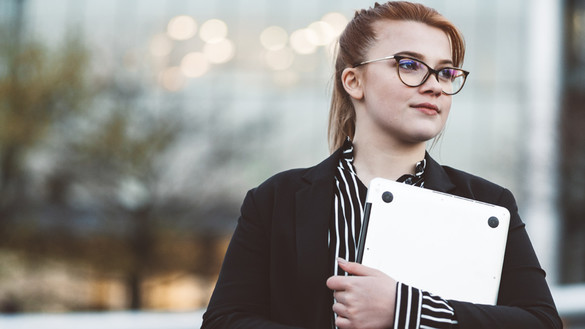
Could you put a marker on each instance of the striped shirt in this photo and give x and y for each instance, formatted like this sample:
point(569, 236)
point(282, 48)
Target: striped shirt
point(414, 308)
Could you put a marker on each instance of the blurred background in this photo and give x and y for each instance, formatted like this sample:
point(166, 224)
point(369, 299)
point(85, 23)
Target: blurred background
point(131, 130)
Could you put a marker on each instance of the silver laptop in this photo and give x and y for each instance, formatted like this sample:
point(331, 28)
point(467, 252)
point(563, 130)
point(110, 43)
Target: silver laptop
point(449, 246)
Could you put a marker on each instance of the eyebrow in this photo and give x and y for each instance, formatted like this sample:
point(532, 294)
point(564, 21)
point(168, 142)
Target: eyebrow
point(422, 57)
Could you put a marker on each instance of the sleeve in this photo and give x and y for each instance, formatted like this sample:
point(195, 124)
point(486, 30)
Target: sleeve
point(416, 309)
point(241, 295)
point(524, 300)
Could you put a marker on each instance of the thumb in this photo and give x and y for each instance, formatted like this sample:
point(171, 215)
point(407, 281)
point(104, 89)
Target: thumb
point(356, 268)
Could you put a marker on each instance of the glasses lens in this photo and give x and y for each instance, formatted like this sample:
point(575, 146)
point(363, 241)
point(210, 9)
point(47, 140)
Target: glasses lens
point(411, 72)
point(451, 79)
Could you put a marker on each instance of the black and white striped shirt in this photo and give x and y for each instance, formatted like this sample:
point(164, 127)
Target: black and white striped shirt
point(414, 308)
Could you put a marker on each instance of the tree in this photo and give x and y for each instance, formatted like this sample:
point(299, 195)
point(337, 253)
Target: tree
point(40, 90)
point(105, 198)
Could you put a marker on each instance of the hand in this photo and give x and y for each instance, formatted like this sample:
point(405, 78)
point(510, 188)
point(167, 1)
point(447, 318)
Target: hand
point(365, 300)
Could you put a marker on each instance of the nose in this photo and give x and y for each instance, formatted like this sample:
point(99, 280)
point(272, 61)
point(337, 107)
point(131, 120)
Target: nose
point(431, 84)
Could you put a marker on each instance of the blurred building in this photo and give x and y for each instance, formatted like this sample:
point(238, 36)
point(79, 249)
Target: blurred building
point(229, 63)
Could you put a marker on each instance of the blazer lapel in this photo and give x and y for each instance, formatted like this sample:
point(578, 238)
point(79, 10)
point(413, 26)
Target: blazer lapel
point(436, 178)
point(313, 211)
point(314, 208)
point(314, 204)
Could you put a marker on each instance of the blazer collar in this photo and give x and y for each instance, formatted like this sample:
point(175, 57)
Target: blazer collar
point(436, 178)
point(313, 211)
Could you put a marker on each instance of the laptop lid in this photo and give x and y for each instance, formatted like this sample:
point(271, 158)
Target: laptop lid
point(447, 245)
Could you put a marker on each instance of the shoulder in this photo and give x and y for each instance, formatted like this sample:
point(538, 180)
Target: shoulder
point(294, 179)
point(285, 180)
point(454, 181)
point(478, 188)
point(470, 182)
point(273, 198)
point(279, 197)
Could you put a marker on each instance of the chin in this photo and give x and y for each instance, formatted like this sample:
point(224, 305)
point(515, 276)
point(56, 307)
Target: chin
point(424, 134)
point(424, 137)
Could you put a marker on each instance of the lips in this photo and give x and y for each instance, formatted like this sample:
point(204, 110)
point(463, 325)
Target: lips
point(427, 107)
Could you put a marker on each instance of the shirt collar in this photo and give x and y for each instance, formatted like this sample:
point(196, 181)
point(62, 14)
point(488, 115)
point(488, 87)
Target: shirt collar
point(416, 179)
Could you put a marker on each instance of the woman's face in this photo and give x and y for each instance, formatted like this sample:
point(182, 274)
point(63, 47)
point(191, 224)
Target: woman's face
point(389, 108)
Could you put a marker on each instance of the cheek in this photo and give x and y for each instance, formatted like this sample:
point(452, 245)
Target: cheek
point(390, 93)
point(382, 81)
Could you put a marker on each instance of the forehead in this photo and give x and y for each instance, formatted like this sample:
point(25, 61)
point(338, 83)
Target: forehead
point(399, 36)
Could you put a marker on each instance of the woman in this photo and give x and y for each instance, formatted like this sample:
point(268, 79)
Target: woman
point(397, 69)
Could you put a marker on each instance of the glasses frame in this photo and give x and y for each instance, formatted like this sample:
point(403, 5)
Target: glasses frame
point(430, 71)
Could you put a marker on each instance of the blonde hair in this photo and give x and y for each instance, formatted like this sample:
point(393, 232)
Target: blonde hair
point(356, 40)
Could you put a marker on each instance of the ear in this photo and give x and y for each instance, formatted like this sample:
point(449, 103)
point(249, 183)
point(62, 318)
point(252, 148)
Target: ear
point(352, 83)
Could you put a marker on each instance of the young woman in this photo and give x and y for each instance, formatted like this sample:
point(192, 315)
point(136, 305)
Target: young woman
point(397, 69)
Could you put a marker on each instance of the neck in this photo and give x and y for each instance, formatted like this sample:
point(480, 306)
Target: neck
point(386, 159)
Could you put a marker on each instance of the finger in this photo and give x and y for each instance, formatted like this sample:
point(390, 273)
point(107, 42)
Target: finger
point(340, 309)
point(342, 322)
point(356, 268)
point(337, 283)
point(341, 282)
point(340, 297)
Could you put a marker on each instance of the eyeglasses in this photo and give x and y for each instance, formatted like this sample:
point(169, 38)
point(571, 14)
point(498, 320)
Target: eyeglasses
point(413, 73)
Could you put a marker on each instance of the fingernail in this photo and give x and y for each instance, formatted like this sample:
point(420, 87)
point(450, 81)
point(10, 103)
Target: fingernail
point(341, 261)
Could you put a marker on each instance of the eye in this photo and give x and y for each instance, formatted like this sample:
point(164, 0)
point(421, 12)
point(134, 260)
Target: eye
point(448, 74)
point(409, 65)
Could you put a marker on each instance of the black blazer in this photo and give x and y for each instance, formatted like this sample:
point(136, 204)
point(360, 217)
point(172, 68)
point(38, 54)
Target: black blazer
point(275, 269)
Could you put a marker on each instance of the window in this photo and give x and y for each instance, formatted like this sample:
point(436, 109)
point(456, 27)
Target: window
point(572, 146)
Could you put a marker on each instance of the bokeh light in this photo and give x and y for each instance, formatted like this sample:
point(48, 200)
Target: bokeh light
point(322, 33)
point(304, 41)
point(273, 38)
point(331, 50)
point(213, 31)
point(194, 64)
point(336, 20)
point(182, 27)
point(220, 52)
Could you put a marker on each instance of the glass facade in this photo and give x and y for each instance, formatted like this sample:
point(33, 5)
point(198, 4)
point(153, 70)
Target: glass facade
point(572, 145)
point(250, 81)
